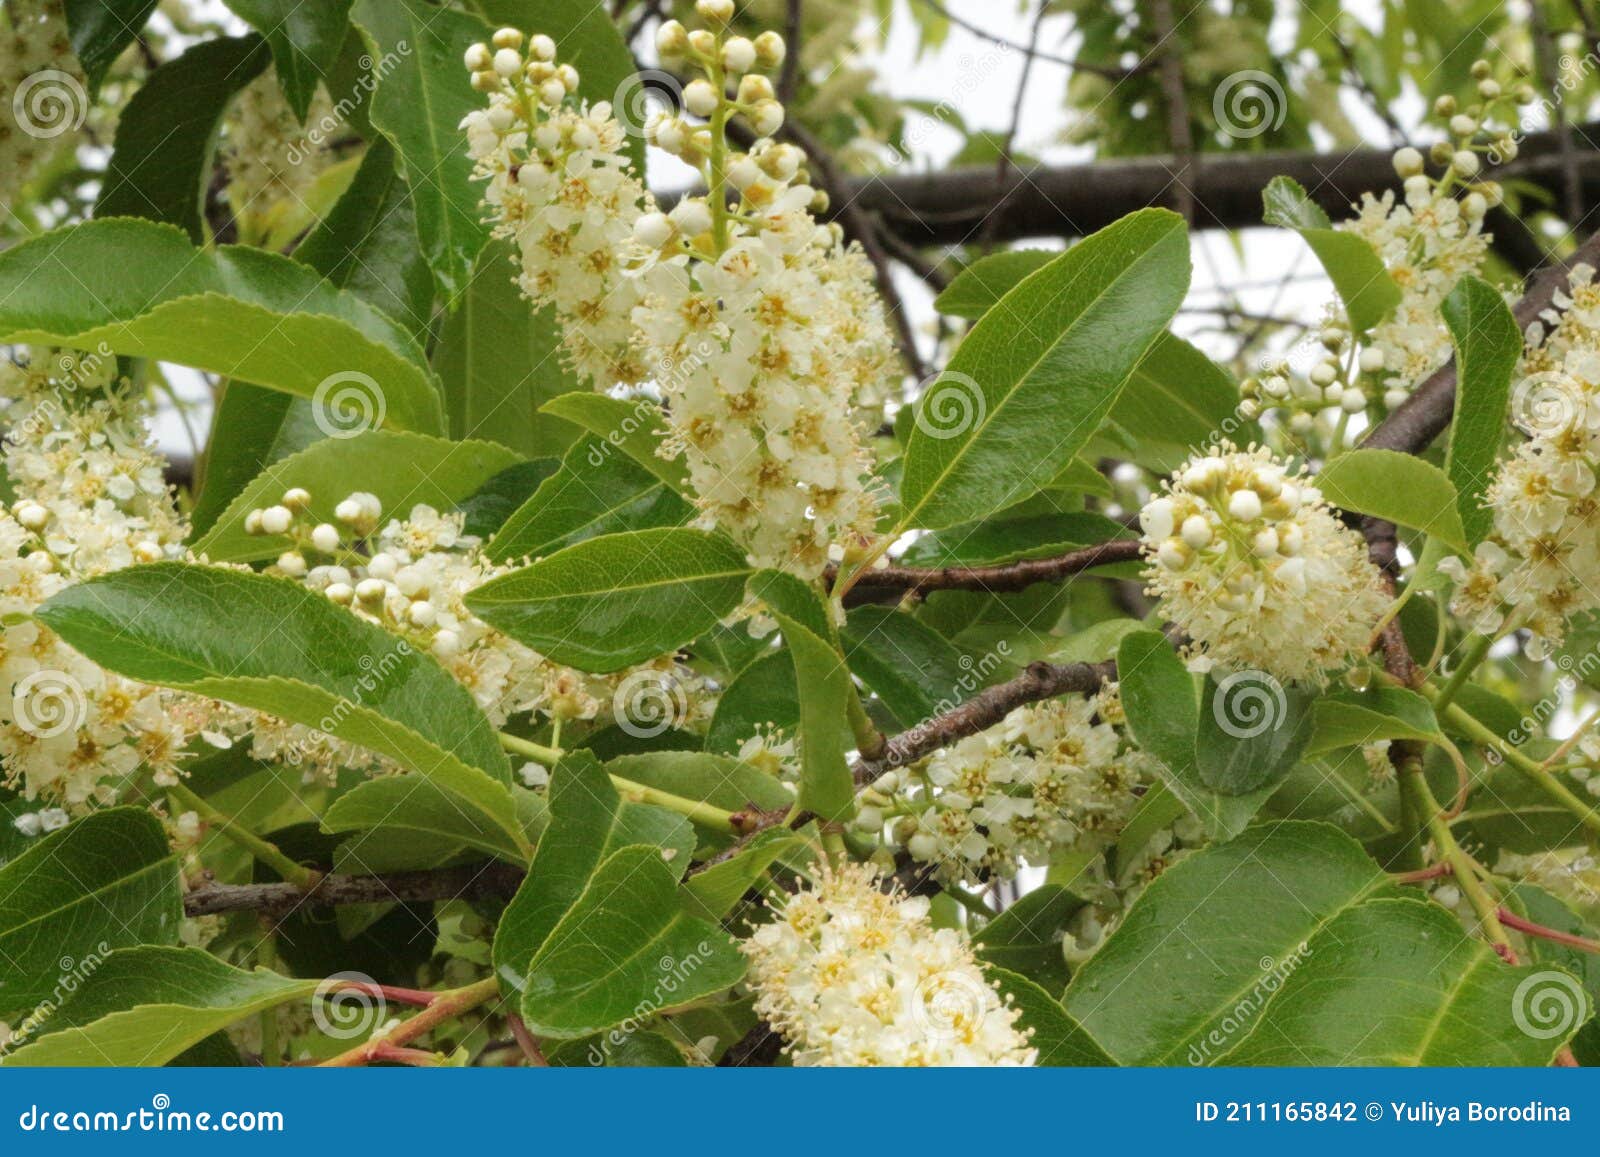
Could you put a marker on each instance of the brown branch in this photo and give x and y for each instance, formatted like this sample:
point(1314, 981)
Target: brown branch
point(999, 578)
point(1511, 920)
point(468, 881)
point(789, 75)
point(984, 710)
point(950, 206)
point(1170, 73)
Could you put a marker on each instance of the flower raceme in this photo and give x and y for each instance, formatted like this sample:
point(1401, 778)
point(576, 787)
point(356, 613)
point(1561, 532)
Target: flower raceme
point(757, 323)
point(854, 976)
point(1250, 562)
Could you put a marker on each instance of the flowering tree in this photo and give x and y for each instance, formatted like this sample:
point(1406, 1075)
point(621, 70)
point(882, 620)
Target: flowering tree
point(591, 633)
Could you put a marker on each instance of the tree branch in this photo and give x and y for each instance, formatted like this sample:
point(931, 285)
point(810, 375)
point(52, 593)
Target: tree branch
point(1000, 578)
point(466, 882)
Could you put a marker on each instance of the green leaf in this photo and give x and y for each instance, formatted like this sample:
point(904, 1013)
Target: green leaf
point(1399, 487)
point(177, 303)
point(167, 132)
point(401, 469)
point(626, 948)
point(1060, 1039)
point(588, 821)
point(823, 682)
point(998, 540)
point(143, 1006)
point(593, 494)
point(1488, 343)
point(976, 289)
point(636, 428)
point(916, 671)
point(251, 428)
point(719, 780)
point(1178, 401)
point(278, 647)
point(1253, 729)
point(1345, 718)
point(1033, 380)
point(107, 881)
point(500, 361)
point(587, 38)
point(1357, 272)
point(1212, 935)
point(421, 97)
point(305, 40)
point(367, 244)
point(1398, 982)
point(762, 696)
point(405, 808)
point(1026, 937)
point(1158, 695)
point(101, 29)
point(607, 603)
point(488, 507)
point(714, 892)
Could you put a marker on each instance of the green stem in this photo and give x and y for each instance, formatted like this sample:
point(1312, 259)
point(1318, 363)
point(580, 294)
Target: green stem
point(705, 814)
point(266, 852)
point(717, 179)
point(1465, 870)
point(1477, 652)
point(869, 740)
point(1540, 775)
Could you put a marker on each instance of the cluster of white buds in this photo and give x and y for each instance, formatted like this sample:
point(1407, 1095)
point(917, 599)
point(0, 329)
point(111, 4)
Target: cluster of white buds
point(1328, 386)
point(853, 976)
point(1255, 568)
point(757, 322)
point(412, 576)
point(1051, 778)
point(559, 186)
point(1434, 234)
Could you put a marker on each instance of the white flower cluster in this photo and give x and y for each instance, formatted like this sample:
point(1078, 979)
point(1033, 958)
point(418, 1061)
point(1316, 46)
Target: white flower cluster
point(1434, 236)
point(412, 576)
point(853, 976)
point(759, 324)
point(90, 498)
point(268, 156)
point(43, 94)
point(1255, 568)
point(1051, 777)
point(1542, 563)
point(1570, 874)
